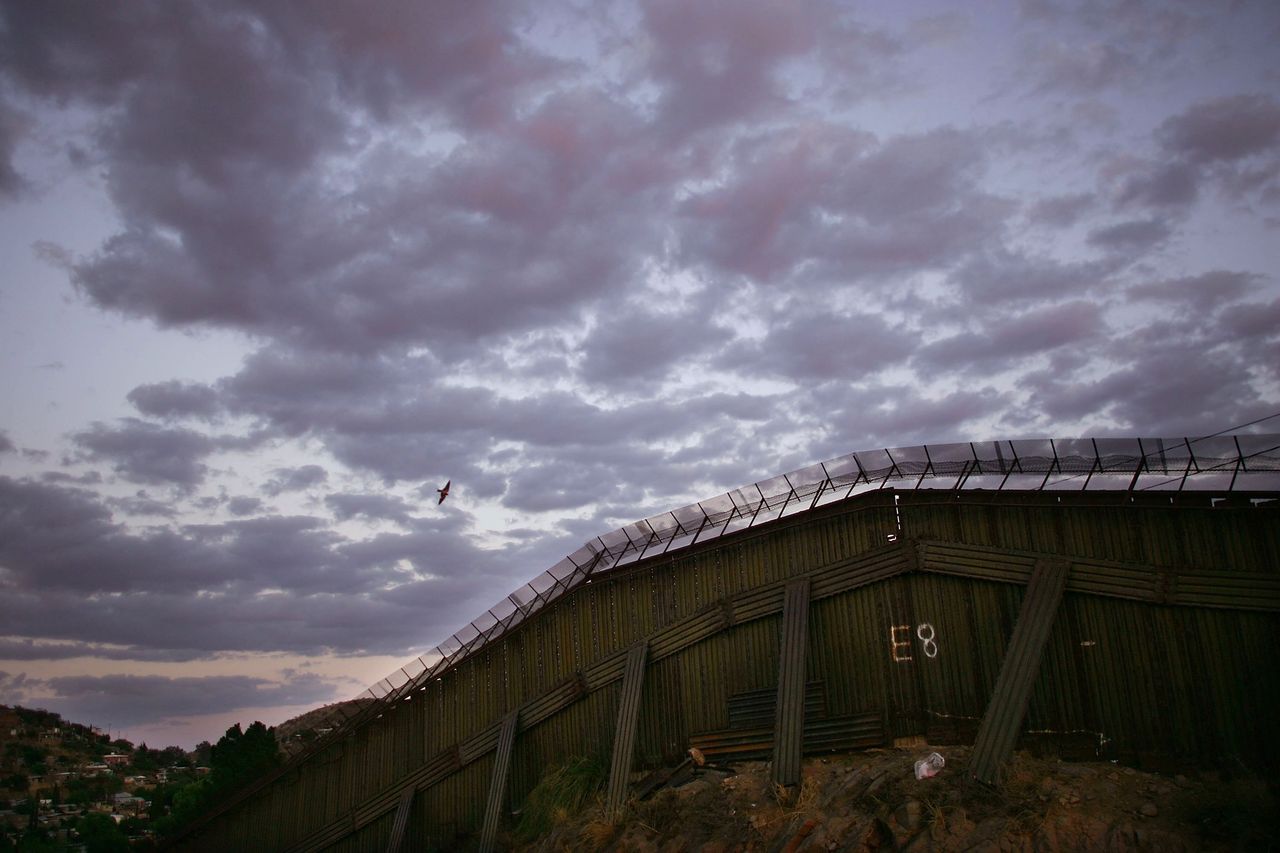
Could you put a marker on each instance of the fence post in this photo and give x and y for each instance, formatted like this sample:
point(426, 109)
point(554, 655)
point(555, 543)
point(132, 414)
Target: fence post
point(498, 784)
point(402, 820)
point(624, 739)
point(788, 731)
point(999, 728)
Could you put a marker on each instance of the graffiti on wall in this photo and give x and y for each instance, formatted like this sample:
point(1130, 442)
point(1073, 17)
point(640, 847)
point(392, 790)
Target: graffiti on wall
point(900, 649)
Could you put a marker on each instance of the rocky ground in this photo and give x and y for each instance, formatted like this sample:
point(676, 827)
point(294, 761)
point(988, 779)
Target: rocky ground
point(872, 801)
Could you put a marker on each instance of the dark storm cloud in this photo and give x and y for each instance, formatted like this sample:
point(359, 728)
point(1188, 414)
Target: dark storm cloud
point(88, 478)
point(387, 417)
point(15, 688)
point(549, 486)
point(886, 418)
point(815, 346)
point(1232, 143)
point(1002, 343)
point(175, 399)
point(1130, 239)
point(295, 479)
point(1061, 211)
point(6, 443)
point(1167, 185)
point(1205, 293)
point(637, 344)
point(1258, 320)
point(1174, 376)
point(721, 62)
point(70, 573)
point(825, 202)
point(1001, 276)
point(218, 112)
point(143, 504)
point(1086, 48)
point(1224, 129)
point(241, 505)
point(1081, 68)
point(132, 700)
point(147, 453)
point(25, 649)
point(11, 183)
point(58, 538)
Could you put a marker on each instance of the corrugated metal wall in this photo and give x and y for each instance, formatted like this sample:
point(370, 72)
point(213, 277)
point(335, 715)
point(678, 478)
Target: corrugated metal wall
point(1141, 680)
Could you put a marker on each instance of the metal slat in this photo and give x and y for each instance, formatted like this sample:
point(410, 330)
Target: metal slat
point(625, 732)
point(857, 731)
point(755, 708)
point(402, 820)
point(999, 728)
point(498, 783)
point(789, 725)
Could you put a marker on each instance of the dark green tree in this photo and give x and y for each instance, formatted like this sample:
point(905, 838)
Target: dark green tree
point(237, 759)
point(240, 756)
point(144, 758)
point(101, 835)
point(203, 754)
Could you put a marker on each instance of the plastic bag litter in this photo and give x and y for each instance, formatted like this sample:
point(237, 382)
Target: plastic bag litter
point(929, 765)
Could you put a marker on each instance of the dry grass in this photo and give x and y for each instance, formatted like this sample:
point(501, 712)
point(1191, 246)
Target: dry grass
point(559, 797)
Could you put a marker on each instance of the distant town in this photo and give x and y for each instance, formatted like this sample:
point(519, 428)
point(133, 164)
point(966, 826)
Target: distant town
point(65, 786)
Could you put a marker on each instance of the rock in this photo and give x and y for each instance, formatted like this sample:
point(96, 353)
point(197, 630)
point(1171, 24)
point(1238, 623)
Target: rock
point(1148, 809)
point(909, 815)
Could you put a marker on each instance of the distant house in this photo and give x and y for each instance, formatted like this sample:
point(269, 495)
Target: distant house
point(116, 758)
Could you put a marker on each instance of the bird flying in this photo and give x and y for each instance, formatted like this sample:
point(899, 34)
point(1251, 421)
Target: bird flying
point(444, 493)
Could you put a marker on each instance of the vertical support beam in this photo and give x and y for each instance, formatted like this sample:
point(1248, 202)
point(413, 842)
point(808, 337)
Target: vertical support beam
point(1000, 725)
point(788, 727)
point(402, 820)
point(498, 784)
point(624, 739)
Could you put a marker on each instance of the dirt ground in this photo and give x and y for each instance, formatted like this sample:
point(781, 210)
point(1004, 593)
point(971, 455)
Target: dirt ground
point(872, 801)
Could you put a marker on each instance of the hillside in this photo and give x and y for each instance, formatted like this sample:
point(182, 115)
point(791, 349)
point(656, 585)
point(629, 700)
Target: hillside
point(315, 723)
point(872, 801)
point(61, 780)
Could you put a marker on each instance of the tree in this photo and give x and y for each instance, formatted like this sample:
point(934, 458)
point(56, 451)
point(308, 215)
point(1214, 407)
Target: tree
point(144, 758)
point(33, 757)
point(101, 835)
point(203, 754)
point(240, 756)
point(172, 756)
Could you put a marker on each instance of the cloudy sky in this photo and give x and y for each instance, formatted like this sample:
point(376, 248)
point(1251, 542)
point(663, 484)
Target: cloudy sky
point(274, 271)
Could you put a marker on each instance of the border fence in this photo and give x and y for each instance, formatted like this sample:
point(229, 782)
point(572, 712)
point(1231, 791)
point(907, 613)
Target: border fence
point(892, 507)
